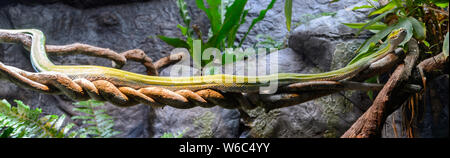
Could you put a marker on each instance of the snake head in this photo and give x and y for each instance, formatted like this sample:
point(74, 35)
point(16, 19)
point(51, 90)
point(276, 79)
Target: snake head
point(397, 36)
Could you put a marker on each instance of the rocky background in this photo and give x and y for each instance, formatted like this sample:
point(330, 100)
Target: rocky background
point(318, 42)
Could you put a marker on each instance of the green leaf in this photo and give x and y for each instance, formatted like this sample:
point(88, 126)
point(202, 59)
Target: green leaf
point(445, 46)
point(82, 117)
point(27, 122)
point(83, 103)
point(21, 131)
point(405, 23)
point(232, 17)
point(5, 106)
point(49, 120)
point(370, 95)
point(67, 128)
point(426, 43)
point(58, 124)
point(7, 132)
point(167, 135)
point(376, 19)
point(22, 109)
point(213, 13)
point(375, 26)
point(201, 5)
point(184, 12)
point(333, 1)
point(391, 5)
point(362, 7)
point(383, 33)
point(374, 39)
point(442, 4)
point(83, 110)
point(184, 30)
point(95, 103)
point(371, 80)
point(400, 5)
point(420, 30)
point(232, 36)
point(261, 16)
point(288, 13)
point(175, 42)
point(96, 124)
point(372, 48)
point(215, 10)
point(363, 51)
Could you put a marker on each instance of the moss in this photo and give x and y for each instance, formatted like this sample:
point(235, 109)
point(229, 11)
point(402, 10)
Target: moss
point(205, 122)
point(330, 134)
point(332, 107)
point(264, 123)
point(335, 104)
point(343, 54)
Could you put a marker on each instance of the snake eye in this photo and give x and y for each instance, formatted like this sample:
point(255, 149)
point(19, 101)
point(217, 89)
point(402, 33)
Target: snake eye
point(395, 37)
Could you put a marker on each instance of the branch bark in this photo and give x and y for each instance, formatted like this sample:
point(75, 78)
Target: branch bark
point(119, 60)
point(388, 100)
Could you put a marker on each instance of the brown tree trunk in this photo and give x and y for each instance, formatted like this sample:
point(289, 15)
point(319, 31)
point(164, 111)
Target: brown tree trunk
point(387, 101)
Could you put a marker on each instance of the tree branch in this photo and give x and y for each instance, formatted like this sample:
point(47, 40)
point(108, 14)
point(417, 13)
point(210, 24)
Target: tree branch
point(388, 100)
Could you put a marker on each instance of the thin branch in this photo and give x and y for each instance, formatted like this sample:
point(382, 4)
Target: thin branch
point(119, 60)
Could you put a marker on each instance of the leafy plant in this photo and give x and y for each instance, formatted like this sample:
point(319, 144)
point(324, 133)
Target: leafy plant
point(261, 16)
point(225, 16)
point(23, 122)
point(172, 135)
point(96, 123)
point(370, 92)
point(424, 20)
point(409, 14)
point(288, 13)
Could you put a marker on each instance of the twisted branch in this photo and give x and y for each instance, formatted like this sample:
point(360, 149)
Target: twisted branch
point(104, 90)
point(119, 59)
point(391, 96)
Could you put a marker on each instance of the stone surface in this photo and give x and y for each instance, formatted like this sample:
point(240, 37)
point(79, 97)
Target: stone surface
point(274, 24)
point(197, 122)
point(315, 38)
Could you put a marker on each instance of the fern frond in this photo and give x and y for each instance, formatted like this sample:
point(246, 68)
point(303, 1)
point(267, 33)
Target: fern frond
point(97, 123)
point(22, 121)
point(172, 135)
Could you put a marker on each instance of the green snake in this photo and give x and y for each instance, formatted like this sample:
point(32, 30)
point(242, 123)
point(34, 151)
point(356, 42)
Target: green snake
point(121, 78)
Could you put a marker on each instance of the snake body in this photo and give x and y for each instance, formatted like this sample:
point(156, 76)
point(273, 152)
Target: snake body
point(121, 78)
